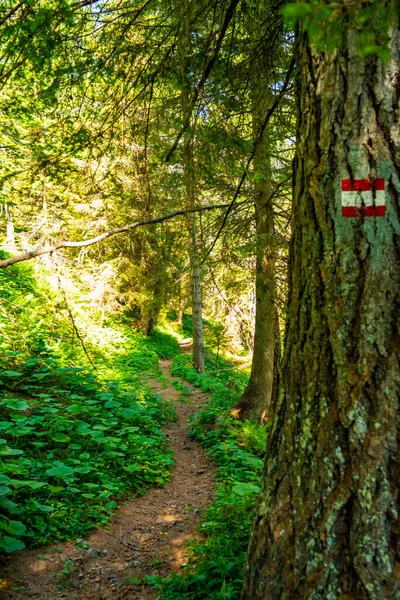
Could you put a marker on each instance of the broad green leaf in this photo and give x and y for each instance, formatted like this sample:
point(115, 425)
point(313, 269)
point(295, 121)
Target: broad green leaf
point(83, 470)
point(60, 471)
point(15, 528)
point(32, 361)
point(9, 544)
point(21, 431)
point(243, 489)
point(112, 404)
point(31, 484)
point(6, 425)
point(17, 404)
point(75, 409)
point(132, 468)
point(105, 396)
point(18, 417)
point(12, 507)
point(44, 507)
point(61, 437)
point(10, 451)
point(4, 490)
point(56, 488)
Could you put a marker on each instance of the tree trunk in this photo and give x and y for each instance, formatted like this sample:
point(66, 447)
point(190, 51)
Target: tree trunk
point(152, 311)
point(156, 272)
point(184, 295)
point(256, 399)
point(327, 524)
point(10, 233)
point(198, 339)
point(255, 403)
point(190, 191)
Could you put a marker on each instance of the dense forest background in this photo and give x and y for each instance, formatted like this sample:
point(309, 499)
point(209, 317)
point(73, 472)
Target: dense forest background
point(174, 170)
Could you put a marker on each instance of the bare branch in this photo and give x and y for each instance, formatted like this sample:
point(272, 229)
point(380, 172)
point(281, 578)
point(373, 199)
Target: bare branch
point(103, 236)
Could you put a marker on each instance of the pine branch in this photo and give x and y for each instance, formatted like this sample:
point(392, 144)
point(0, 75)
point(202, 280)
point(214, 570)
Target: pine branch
point(200, 86)
point(258, 140)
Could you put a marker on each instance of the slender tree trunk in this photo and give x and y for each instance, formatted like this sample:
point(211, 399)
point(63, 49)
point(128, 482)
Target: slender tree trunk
point(184, 294)
point(10, 233)
point(198, 339)
point(152, 310)
point(190, 190)
point(327, 525)
point(158, 275)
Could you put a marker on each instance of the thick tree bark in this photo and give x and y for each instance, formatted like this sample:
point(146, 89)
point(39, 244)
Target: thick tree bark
point(327, 524)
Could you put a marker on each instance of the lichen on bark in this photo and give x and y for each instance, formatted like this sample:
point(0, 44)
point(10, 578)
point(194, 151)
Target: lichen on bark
point(327, 524)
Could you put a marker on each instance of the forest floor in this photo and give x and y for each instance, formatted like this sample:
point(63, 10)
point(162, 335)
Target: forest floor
point(146, 535)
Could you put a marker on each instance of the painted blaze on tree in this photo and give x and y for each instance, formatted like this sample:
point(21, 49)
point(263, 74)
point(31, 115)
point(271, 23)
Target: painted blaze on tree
point(328, 523)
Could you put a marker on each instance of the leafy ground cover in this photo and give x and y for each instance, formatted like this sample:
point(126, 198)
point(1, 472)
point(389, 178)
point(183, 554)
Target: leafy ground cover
point(215, 569)
point(72, 441)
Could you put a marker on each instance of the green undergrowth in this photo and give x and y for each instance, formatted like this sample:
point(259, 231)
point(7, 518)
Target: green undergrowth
point(215, 569)
point(72, 440)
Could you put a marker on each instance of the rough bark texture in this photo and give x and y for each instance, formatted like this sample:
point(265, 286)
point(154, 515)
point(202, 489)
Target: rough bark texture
point(197, 312)
point(327, 525)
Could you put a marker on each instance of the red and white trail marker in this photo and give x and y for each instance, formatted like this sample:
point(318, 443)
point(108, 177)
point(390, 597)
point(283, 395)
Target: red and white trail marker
point(363, 196)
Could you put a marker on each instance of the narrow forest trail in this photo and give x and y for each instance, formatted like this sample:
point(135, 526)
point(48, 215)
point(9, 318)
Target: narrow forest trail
point(146, 535)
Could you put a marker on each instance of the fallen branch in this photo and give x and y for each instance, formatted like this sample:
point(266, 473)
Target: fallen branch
point(47, 249)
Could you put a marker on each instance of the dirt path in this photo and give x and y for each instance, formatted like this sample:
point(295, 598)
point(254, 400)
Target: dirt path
point(146, 536)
